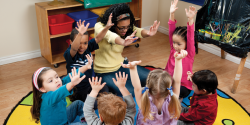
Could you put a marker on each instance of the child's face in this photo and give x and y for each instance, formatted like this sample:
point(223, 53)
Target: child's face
point(83, 44)
point(51, 81)
point(122, 27)
point(178, 43)
point(197, 91)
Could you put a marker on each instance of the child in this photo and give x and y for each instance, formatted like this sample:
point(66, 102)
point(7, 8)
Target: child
point(203, 103)
point(182, 38)
point(49, 92)
point(158, 102)
point(112, 109)
point(75, 55)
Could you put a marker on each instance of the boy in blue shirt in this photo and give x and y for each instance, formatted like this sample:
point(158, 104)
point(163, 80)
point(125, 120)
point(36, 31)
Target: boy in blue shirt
point(75, 55)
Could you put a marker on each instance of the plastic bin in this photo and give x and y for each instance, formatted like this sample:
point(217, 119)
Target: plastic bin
point(86, 15)
point(60, 23)
point(99, 11)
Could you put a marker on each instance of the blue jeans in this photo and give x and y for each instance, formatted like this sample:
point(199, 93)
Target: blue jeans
point(107, 77)
point(73, 110)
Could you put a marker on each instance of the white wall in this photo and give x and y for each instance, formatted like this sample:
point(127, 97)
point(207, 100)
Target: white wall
point(149, 12)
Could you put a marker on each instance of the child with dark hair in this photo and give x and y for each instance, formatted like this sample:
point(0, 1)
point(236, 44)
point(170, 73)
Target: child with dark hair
point(112, 109)
point(204, 104)
point(49, 93)
point(108, 57)
point(182, 38)
point(75, 55)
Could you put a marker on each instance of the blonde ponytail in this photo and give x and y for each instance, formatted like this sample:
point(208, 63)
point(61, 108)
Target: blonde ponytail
point(174, 107)
point(145, 107)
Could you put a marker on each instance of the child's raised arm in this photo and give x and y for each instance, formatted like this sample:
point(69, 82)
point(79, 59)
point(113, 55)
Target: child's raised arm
point(75, 79)
point(178, 71)
point(173, 8)
point(121, 82)
point(75, 45)
point(88, 65)
point(190, 15)
point(135, 80)
point(96, 86)
point(101, 34)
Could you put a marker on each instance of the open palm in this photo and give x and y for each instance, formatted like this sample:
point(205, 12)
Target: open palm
point(173, 7)
point(81, 28)
point(191, 12)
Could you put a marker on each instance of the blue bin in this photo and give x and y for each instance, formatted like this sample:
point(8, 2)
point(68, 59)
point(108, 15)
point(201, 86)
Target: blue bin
point(86, 15)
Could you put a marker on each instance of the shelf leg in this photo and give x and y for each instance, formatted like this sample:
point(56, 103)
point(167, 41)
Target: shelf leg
point(222, 54)
point(238, 74)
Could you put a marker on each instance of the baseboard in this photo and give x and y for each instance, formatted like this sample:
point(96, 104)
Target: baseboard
point(212, 49)
point(20, 57)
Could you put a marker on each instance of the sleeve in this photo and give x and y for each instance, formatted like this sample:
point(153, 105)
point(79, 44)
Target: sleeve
point(66, 79)
point(92, 45)
point(190, 40)
point(196, 113)
point(138, 31)
point(89, 112)
point(172, 27)
point(53, 97)
point(68, 57)
point(131, 111)
point(110, 36)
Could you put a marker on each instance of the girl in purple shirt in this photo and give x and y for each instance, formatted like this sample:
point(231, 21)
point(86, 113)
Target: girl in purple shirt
point(182, 38)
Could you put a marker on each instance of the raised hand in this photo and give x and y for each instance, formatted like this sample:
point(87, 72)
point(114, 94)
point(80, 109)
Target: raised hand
point(189, 76)
point(130, 39)
point(75, 77)
point(173, 7)
point(121, 80)
point(81, 28)
point(183, 54)
point(90, 61)
point(96, 85)
point(109, 23)
point(153, 29)
point(191, 12)
point(131, 65)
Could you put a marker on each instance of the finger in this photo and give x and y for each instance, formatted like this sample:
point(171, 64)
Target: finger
point(70, 76)
point(186, 10)
point(72, 72)
point(158, 25)
point(171, 2)
point(126, 77)
point(120, 75)
point(78, 73)
point(100, 80)
point(134, 32)
point(83, 22)
point(77, 25)
point(116, 75)
point(87, 25)
point(75, 71)
point(103, 84)
point(90, 81)
point(83, 77)
point(114, 80)
point(93, 79)
point(96, 79)
point(123, 75)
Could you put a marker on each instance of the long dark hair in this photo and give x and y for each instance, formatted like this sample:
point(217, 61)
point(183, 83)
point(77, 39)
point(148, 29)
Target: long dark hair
point(117, 10)
point(37, 100)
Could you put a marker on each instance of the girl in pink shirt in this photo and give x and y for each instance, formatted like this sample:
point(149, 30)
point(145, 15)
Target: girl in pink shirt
point(182, 38)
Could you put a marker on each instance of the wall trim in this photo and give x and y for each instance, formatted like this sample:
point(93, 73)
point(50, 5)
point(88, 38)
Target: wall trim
point(212, 49)
point(20, 57)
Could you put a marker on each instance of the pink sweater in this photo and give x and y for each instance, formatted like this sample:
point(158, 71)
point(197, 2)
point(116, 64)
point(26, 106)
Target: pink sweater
point(187, 62)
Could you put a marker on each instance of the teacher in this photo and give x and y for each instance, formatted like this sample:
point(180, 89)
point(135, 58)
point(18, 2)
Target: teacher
point(108, 57)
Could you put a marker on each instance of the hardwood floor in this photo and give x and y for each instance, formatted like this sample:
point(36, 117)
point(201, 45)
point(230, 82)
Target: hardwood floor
point(15, 78)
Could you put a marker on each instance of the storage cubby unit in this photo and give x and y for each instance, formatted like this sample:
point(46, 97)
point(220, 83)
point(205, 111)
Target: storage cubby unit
point(53, 46)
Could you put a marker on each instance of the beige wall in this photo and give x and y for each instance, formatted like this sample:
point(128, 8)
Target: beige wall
point(180, 14)
point(149, 12)
point(18, 31)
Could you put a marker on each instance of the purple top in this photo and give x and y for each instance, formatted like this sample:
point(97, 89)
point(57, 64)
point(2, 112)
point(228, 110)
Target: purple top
point(159, 119)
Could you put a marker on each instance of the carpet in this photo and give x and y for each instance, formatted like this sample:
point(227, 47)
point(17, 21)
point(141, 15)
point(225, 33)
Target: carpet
point(230, 112)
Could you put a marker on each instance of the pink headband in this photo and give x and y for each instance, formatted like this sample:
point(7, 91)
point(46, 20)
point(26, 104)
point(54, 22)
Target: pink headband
point(35, 76)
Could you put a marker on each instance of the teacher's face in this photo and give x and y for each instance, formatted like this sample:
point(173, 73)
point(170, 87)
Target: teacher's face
point(122, 27)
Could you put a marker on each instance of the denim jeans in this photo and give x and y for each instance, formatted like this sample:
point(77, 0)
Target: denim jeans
point(107, 77)
point(73, 110)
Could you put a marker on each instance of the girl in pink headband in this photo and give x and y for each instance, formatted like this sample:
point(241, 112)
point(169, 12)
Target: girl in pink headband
point(49, 92)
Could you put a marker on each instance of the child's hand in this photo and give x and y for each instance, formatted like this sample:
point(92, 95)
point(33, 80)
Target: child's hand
point(81, 28)
point(109, 23)
point(182, 54)
point(189, 76)
point(173, 7)
point(153, 29)
point(90, 61)
point(96, 85)
point(121, 80)
point(131, 65)
point(130, 39)
point(75, 77)
point(191, 12)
